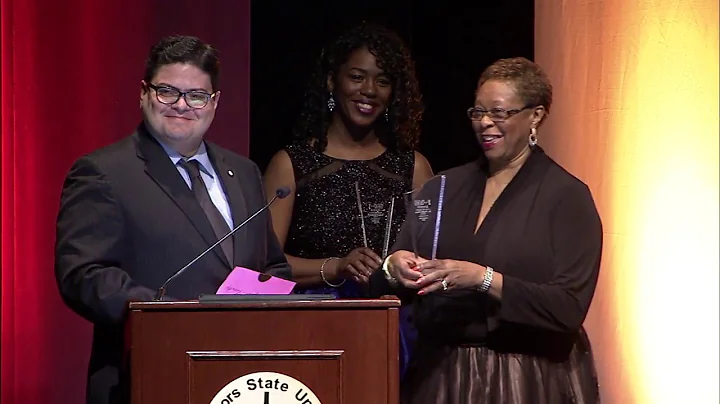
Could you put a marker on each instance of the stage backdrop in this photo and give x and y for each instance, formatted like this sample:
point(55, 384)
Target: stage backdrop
point(636, 117)
point(71, 72)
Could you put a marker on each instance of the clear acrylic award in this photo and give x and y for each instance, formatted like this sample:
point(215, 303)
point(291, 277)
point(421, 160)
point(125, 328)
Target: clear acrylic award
point(424, 207)
point(379, 214)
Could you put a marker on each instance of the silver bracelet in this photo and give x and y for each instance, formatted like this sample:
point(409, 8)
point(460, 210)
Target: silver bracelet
point(322, 273)
point(487, 280)
point(386, 269)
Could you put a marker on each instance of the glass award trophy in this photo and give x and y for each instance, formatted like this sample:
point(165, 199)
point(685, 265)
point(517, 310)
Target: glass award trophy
point(378, 214)
point(388, 229)
point(424, 207)
point(362, 214)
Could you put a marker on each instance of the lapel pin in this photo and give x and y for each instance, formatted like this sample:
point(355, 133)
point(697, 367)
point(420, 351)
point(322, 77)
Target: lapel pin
point(230, 173)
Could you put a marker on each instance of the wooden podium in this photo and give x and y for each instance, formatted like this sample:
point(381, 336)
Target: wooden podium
point(343, 351)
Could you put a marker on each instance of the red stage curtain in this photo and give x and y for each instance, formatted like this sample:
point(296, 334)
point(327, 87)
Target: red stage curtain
point(70, 84)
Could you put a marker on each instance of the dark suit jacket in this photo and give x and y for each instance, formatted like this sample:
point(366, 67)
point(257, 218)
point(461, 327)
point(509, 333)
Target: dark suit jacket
point(128, 221)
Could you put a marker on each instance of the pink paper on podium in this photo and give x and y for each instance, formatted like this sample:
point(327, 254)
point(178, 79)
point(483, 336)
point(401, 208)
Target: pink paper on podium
point(243, 281)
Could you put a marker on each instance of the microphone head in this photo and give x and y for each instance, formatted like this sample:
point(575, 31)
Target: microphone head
point(282, 192)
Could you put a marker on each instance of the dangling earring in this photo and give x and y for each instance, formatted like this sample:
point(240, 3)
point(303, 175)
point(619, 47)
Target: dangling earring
point(331, 103)
point(387, 117)
point(532, 140)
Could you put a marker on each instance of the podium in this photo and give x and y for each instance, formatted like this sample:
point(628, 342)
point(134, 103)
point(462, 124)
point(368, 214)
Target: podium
point(274, 352)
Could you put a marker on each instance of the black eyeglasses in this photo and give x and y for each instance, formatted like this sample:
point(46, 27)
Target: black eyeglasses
point(495, 114)
point(170, 95)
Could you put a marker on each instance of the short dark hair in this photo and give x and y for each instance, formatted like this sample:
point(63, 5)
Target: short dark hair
point(530, 81)
point(184, 49)
point(405, 111)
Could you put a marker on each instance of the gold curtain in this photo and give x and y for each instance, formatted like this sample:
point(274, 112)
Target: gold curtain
point(636, 118)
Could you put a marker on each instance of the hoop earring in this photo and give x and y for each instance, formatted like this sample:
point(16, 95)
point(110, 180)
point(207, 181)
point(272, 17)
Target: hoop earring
point(331, 103)
point(533, 139)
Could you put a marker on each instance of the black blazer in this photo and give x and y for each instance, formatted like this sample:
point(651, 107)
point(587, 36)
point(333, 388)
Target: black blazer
point(128, 221)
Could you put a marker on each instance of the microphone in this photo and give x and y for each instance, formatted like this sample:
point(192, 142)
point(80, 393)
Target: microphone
point(280, 193)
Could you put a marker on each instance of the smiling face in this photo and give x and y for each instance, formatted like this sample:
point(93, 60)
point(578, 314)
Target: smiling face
point(362, 91)
point(504, 140)
point(178, 125)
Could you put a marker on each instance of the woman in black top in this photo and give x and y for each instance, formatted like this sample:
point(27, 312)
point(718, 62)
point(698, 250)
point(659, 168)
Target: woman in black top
point(354, 152)
point(499, 312)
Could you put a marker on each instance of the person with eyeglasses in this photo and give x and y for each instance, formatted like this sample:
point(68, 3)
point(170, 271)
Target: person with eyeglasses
point(499, 312)
point(135, 212)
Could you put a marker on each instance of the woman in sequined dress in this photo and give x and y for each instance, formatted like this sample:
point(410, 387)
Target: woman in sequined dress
point(355, 140)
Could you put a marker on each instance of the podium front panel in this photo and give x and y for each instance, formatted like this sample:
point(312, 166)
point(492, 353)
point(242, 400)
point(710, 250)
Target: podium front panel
point(345, 354)
point(321, 372)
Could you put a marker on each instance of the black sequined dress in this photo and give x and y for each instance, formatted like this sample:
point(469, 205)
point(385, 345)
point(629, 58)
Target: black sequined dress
point(326, 218)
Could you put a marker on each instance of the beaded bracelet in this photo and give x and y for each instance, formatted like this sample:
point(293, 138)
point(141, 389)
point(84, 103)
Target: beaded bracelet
point(322, 273)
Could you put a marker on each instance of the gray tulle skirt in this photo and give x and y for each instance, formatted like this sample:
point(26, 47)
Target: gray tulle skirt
point(479, 375)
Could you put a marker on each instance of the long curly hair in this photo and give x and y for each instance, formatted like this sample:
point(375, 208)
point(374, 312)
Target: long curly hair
point(402, 129)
